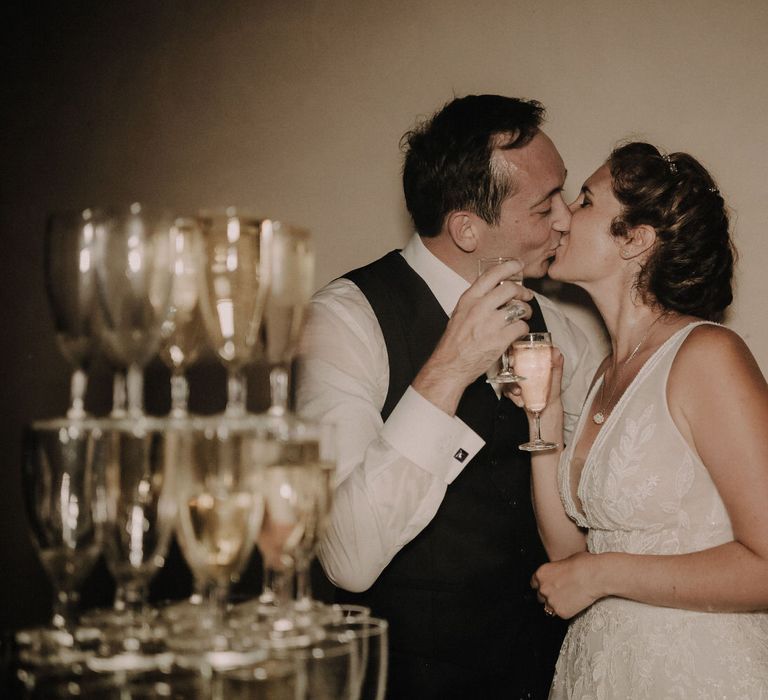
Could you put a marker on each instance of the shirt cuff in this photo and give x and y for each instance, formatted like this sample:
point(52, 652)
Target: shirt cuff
point(434, 441)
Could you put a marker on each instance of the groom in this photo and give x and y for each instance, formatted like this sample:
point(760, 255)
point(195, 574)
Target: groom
point(432, 524)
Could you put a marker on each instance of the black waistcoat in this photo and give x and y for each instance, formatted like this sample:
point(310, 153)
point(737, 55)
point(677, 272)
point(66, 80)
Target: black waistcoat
point(464, 621)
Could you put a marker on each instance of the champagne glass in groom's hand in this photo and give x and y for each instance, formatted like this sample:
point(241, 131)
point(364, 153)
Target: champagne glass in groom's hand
point(514, 310)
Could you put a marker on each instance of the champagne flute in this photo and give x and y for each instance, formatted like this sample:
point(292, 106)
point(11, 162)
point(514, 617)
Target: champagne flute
point(325, 670)
point(234, 292)
point(533, 356)
point(183, 334)
point(141, 510)
point(306, 549)
point(63, 462)
point(220, 511)
point(292, 282)
point(514, 310)
point(296, 486)
point(291, 286)
point(135, 277)
point(70, 281)
point(369, 636)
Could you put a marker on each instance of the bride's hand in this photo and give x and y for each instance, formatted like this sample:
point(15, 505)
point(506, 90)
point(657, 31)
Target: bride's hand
point(513, 392)
point(566, 587)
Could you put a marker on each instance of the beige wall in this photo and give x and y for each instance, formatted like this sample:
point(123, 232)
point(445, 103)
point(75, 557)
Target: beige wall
point(296, 107)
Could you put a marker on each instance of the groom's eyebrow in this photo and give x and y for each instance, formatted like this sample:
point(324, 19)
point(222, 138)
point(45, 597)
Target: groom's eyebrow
point(549, 194)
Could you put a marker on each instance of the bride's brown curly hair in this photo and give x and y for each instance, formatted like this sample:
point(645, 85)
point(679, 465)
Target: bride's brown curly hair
point(690, 269)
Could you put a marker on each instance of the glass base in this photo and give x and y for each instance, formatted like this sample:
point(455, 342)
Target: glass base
point(51, 646)
point(173, 611)
point(210, 636)
point(337, 613)
point(505, 378)
point(258, 611)
point(538, 446)
point(128, 661)
point(104, 618)
point(80, 681)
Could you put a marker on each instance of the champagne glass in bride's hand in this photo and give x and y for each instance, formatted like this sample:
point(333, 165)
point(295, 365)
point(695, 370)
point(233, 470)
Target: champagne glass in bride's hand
point(135, 277)
point(70, 282)
point(514, 310)
point(234, 292)
point(533, 357)
point(291, 285)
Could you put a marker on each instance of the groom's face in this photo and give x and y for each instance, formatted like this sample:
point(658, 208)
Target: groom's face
point(534, 216)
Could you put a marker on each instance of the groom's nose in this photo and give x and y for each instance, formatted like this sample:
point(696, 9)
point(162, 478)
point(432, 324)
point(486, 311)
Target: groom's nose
point(561, 219)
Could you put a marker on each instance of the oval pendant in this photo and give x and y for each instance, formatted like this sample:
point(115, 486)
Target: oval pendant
point(599, 418)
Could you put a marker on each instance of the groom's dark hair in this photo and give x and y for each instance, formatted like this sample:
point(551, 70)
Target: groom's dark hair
point(449, 163)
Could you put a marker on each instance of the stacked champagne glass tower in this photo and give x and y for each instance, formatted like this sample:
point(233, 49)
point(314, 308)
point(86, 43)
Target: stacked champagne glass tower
point(132, 284)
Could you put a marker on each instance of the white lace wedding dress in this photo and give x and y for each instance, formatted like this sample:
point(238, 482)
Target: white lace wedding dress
point(644, 491)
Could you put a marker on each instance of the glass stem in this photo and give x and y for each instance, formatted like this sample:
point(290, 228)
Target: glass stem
point(118, 394)
point(64, 606)
point(281, 586)
point(78, 385)
point(505, 362)
point(119, 604)
point(303, 586)
point(130, 596)
point(537, 423)
point(198, 593)
point(236, 392)
point(214, 608)
point(133, 600)
point(179, 394)
point(267, 595)
point(135, 386)
point(279, 385)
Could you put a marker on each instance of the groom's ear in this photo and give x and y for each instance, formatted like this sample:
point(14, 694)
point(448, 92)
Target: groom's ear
point(638, 241)
point(463, 229)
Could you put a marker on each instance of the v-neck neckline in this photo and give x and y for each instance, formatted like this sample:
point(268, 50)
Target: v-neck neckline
point(586, 415)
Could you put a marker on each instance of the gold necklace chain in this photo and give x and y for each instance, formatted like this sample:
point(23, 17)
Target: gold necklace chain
point(599, 417)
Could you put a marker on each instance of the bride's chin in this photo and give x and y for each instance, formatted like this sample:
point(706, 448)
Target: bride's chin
point(554, 267)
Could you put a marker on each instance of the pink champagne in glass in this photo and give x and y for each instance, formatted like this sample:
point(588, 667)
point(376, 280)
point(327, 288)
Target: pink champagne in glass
point(533, 360)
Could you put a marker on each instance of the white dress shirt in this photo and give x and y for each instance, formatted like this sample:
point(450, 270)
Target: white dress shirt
point(392, 476)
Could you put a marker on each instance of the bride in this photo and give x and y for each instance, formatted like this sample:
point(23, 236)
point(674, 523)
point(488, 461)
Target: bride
point(655, 517)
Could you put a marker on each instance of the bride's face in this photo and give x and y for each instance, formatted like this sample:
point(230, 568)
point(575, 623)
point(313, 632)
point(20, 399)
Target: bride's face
point(588, 251)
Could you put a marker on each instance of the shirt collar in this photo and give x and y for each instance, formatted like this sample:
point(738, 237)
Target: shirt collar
point(443, 282)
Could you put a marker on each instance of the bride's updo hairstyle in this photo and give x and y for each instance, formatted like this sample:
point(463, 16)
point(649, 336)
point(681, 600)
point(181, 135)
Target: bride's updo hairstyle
point(690, 267)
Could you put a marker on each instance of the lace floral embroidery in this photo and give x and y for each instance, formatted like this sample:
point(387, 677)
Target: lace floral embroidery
point(644, 491)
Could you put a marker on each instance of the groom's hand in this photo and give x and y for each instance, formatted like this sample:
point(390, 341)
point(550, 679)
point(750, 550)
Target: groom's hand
point(476, 335)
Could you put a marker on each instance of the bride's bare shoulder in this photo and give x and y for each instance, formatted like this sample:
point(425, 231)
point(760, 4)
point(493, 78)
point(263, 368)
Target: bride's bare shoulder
point(709, 338)
point(714, 353)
